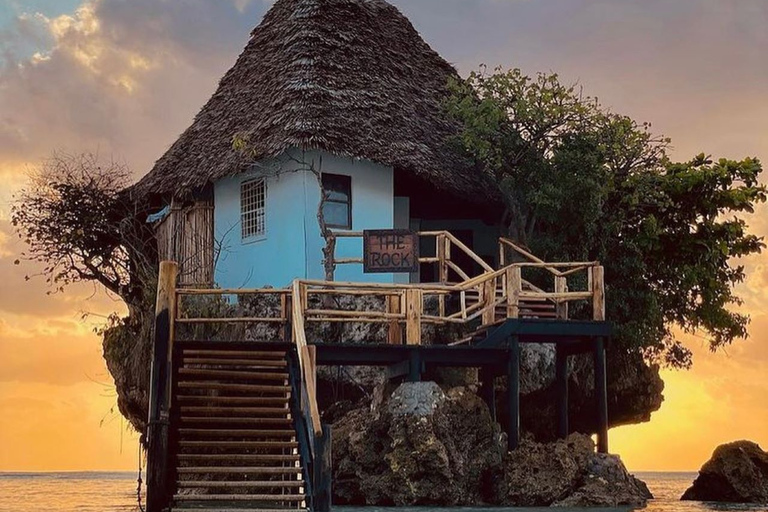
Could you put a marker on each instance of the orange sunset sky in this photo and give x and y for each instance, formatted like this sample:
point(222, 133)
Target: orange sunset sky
point(125, 78)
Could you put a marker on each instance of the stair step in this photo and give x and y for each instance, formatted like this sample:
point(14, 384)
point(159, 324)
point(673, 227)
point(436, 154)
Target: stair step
point(236, 432)
point(233, 387)
point(222, 484)
point(235, 420)
point(237, 509)
point(240, 497)
point(251, 400)
point(239, 444)
point(276, 363)
point(261, 457)
point(243, 354)
point(250, 470)
point(276, 411)
point(229, 374)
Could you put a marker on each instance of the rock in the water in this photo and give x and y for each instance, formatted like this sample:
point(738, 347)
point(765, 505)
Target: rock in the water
point(737, 472)
point(607, 484)
point(421, 446)
point(567, 473)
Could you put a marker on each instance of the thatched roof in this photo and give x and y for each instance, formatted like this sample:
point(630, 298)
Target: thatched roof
point(352, 77)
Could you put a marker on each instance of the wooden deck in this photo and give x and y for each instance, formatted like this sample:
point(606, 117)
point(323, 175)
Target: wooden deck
point(501, 308)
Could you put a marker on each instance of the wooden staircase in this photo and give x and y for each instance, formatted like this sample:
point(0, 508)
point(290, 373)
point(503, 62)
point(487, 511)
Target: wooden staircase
point(234, 444)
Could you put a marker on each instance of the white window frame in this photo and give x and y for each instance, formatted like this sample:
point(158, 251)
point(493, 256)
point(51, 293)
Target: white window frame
point(249, 225)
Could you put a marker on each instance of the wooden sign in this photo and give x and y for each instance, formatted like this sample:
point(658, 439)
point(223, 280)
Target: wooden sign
point(390, 250)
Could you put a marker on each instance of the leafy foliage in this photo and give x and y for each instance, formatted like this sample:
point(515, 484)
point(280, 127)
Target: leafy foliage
point(582, 183)
point(79, 223)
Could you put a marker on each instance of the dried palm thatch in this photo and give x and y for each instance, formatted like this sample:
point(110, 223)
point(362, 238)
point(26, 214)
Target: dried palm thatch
point(351, 77)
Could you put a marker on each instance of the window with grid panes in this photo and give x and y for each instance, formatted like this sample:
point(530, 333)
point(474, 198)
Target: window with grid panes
point(337, 209)
point(253, 205)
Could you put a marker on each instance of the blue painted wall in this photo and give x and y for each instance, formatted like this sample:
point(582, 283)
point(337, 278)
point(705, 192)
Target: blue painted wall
point(292, 246)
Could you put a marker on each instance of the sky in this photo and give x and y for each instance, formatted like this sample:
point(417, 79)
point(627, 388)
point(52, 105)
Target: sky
point(124, 79)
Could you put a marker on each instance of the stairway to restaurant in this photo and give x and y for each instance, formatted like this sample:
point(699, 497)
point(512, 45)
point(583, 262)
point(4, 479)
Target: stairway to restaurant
point(234, 443)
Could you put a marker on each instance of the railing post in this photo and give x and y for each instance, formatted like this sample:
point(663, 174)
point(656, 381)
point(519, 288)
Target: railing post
point(395, 332)
point(158, 466)
point(561, 305)
point(443, 255)
point(598, 293)
point(514, 284)
point(414, 305)
point(285, 306)
point(489, 298)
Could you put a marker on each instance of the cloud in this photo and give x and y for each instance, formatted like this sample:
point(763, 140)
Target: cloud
point(119, 78)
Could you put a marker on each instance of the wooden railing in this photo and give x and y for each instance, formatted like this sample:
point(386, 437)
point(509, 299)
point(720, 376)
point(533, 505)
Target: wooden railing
point(560, 273)
point(403, 308)
point(446, 244)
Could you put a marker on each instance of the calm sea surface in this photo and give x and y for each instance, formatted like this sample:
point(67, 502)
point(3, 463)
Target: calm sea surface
point(116, 492)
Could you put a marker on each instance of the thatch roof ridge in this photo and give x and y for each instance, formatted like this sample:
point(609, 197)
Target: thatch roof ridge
point(351, 77)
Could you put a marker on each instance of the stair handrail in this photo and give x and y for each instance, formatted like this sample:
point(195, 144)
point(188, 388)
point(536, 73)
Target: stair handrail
point(306, 363)
point(538, 262)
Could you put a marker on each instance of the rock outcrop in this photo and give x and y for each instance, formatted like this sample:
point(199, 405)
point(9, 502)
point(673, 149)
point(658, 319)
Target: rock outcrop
point(421, 445)
point(737, 472)
point(634, 391)
point(567, 473)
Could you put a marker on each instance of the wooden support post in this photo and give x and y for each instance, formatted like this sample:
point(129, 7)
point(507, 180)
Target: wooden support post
point(442, 257)
point(322, 472)
point(514, 284)
point(561, 381)
point(598, 293)
point(489, 298)
point(561, 307)
point(601, 395)
point(395, 332)
point(414, 305)
point(415, 365)
point(488, 391)
point(287, 334)
point(159, 469)
point(513, 389)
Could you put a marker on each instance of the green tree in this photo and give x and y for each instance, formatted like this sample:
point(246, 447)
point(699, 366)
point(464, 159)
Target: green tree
point(579, 182)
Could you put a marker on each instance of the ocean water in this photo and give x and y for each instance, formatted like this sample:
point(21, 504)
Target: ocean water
point(116, 492)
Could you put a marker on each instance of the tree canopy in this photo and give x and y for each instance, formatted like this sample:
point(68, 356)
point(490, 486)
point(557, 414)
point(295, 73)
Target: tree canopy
point(80, 224)
point(582, 183)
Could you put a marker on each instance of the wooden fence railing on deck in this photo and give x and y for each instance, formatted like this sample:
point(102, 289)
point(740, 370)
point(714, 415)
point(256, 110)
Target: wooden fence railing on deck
point(445, 245)
point(403, 305)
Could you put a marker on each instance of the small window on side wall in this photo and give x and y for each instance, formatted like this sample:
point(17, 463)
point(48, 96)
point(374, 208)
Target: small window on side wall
point(253, 207)
point(337, 209)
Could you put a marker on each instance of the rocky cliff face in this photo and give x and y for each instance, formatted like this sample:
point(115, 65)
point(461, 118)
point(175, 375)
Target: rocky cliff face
point(634, 388)
point(737, 472)
point(421, 445)
point(634, 391)
point(127, 352)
